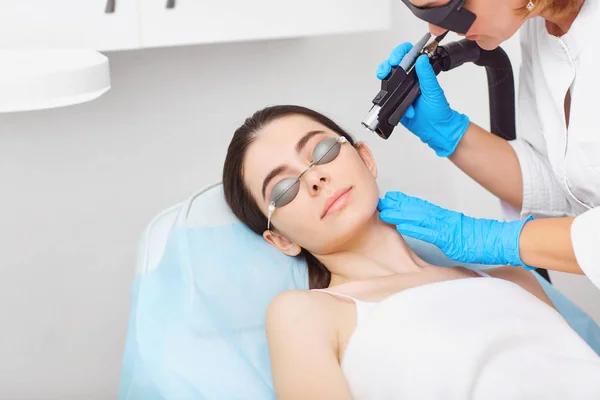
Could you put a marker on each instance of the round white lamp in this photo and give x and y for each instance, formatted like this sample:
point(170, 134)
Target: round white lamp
point(42, 79)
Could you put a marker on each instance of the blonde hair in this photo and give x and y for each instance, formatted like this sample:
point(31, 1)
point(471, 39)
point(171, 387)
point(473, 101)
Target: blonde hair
point(556, 8)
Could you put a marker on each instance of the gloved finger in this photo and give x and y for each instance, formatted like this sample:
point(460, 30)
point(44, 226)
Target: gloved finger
point(383, 70)
point(409, 206)
point(424, 234)
point(395, 217)
point(427, 78)
point(410, 201)
point(404, 121)
point(382, 206)
point(388, 203)
point(399, 52)
point(409, 113)
point(399, 198)
point(396, 196)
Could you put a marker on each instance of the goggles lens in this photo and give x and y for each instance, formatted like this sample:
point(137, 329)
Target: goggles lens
point(287, 189)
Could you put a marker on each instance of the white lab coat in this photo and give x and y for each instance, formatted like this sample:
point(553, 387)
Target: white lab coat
point(561, 168)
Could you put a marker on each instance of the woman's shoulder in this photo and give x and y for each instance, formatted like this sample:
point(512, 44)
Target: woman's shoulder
point(300, 318)
point(296, 307)
point(292, 300)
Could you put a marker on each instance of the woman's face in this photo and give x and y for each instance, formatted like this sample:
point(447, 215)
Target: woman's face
point(496, 20)
point(335, 200)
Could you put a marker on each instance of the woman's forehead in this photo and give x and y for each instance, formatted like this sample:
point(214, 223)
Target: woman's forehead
point(288, 129)
point(278, 142)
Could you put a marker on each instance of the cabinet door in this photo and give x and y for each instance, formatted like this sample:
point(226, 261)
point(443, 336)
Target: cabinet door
point(178, 22)
point(94, 24)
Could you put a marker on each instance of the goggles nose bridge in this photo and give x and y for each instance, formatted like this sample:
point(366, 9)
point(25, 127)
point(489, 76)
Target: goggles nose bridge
point(321, 155)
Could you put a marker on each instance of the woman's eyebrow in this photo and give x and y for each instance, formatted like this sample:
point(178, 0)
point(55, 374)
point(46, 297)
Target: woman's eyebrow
point(307, 136)
point(270, 177)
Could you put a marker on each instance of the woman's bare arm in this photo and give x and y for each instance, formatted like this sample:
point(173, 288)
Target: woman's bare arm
point(302, 346)
point(523, 278)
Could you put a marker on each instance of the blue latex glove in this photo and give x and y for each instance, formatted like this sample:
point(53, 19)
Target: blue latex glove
point(461, 238)
point(430, 116)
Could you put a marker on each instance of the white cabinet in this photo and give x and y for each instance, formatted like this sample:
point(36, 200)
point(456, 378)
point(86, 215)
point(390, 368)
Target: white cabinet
point(95, 24)
point(180, 22)
point(106, 25)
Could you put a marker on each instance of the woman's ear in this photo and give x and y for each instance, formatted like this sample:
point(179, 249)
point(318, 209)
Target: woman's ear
point(367, 157)
point(281, 243)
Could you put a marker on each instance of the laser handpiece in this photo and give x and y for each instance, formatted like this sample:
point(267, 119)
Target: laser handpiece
point(398, 90)
point(392, 82)
point(410, 58)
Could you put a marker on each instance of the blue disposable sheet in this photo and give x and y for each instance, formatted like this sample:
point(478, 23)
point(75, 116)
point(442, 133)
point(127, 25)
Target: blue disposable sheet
point(196, 328)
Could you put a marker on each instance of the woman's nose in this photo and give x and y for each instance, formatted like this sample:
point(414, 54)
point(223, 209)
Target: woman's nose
point(436, 30)
point(316, 180)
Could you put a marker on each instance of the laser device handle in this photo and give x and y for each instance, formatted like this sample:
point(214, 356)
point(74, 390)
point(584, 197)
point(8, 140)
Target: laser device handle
point(413, 92)
point(397, 115)
point(446, 57)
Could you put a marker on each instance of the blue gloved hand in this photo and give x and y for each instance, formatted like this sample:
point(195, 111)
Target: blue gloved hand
point(461, 238)
point(430, 116)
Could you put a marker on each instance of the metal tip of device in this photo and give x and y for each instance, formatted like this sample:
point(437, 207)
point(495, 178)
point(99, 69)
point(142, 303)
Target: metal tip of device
point(430, 49)
point(441, 37)
point(371, 122)
point(368, 129)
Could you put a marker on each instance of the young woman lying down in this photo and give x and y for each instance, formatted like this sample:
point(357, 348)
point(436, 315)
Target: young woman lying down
point(378, 321)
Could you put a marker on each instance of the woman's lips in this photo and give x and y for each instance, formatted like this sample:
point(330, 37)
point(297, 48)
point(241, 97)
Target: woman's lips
point(336, 201)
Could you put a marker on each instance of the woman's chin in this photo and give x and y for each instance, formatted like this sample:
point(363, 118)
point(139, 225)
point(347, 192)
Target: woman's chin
point(487, 43)
point(348, 227)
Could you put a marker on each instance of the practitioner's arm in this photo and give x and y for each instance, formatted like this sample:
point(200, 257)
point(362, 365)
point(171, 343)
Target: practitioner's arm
point(302, 346)
point(559, 244)
point(491, 162)
point(546, 243)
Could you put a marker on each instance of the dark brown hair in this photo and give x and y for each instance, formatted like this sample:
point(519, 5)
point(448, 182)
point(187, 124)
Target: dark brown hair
point(238, 196)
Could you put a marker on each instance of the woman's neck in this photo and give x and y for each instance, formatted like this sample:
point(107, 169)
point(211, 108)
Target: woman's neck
point(559, 26)
point(378, 250)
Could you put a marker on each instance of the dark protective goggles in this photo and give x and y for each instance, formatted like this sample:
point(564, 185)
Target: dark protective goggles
point(452, 16)
point(286, 189)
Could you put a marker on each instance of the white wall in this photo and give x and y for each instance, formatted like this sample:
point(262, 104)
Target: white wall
point(79, 184)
